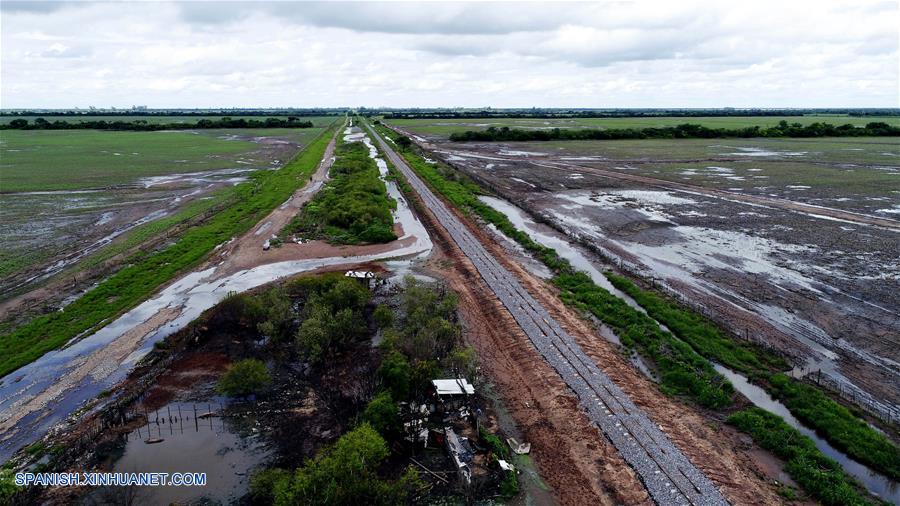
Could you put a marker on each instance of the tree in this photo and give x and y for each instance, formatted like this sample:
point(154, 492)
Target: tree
point(383, 316)
point(396, 374)
point(346, 474)
point(464, 362)
point(404, 142)
point(248, 376)
point(381, 414)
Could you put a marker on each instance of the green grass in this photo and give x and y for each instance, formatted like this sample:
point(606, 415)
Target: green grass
point(136, 282)
point(319, 121)
point(353, 207)
point(682, 371)
point(445, 127)
point(701, 334)
point(683, 362)
point(837, 424)
point(67, 160)
point(820, 476)
point(833, 422)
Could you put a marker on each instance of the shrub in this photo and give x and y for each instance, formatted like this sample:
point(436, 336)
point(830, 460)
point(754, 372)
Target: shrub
point(381, 413)
point(838, 425)
point(245, 377)
point(396, 374)
point(383, 316)
point(353, 207)
point(346, 473)
point(263, 484)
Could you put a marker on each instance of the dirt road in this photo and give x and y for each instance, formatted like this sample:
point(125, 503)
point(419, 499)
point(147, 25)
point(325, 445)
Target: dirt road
point(670, 478)
point(33, 398)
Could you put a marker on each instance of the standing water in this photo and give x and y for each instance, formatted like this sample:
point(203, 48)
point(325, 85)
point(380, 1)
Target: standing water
point(184, 438)
point(41, 394)
point(876, 483)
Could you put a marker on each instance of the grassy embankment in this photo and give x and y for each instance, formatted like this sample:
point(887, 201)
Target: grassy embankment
point(147, 271)
point(353, 207)
point(682, 369)
point(835, 423)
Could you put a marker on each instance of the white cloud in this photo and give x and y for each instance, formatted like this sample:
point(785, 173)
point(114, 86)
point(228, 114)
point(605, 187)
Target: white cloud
point(688, 53)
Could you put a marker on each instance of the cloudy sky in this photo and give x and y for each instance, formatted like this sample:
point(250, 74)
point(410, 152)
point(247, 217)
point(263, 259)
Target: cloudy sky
point(684, 53)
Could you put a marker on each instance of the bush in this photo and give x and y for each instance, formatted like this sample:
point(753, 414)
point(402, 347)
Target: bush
point(703, 336)
point(497, 447)
point(346, 473)
point(263, 484)
point(509, 487)
point(353, 207)
point(383, 316)
point(396, 374)
point(382, 414)
point(245, 377)
point(8, 488)
point(332, 318)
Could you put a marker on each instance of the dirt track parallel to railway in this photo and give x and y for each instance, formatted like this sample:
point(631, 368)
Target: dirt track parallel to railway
point(668, 475)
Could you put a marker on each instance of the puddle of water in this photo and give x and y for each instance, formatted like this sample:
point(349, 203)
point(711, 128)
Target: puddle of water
point(742, 151)
point(191, 444)
point(512, 152)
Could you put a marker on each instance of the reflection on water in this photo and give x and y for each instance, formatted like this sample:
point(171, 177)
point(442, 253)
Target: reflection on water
point(184, 438)
point(190, 295)
point(874, 482)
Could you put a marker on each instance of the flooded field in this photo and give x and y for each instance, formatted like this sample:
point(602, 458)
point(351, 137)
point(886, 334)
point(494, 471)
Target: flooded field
point(584, 261)
point(446, 126)
point(804, 260)
point(43, 393)
point(181, 437)
point(66, 195)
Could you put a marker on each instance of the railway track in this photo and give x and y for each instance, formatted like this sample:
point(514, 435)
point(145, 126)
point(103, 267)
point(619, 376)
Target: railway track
point(670, 478)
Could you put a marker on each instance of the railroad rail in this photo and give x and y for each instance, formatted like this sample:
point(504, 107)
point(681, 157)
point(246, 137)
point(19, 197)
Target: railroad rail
point(670, 478)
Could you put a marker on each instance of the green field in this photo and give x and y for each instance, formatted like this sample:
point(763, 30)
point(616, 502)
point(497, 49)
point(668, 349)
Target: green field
point(318, 121)
point(69, 160)
point(36, 160)
point(148, 270)
point(444, 127)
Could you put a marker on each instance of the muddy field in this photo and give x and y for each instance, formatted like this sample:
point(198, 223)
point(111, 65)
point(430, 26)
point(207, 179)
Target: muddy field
point(114, 207)
point(817, 281)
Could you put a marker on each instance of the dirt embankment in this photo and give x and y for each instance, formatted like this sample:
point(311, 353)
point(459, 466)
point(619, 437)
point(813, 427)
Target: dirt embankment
point(574, 458)
point(45, 286)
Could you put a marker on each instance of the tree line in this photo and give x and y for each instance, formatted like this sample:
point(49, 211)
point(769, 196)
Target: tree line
point(621, 113)
point(683, 131)
point(144, 126)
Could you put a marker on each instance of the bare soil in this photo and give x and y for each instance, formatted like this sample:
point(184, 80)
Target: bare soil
point(573, 457)
point(808, 281)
